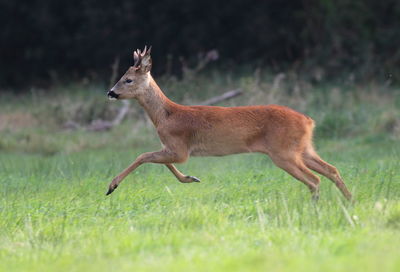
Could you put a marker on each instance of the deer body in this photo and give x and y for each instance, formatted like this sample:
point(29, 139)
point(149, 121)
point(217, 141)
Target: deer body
point(217, 131)
point(280, 132)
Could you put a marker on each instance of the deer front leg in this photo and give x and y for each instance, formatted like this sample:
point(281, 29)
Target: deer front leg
point(181, 177)
point(164, 156)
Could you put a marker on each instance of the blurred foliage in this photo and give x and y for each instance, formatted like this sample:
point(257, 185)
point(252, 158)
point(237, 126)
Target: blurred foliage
point(42, 40)
point(58, 119)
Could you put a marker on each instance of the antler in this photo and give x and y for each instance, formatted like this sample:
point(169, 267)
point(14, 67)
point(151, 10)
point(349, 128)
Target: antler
point(146, 51)
point(138, 55)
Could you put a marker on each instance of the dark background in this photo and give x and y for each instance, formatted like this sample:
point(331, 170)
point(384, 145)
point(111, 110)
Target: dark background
point(45, 39)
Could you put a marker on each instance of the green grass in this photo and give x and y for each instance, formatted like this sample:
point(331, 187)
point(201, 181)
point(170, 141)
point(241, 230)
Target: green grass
point(245, 215)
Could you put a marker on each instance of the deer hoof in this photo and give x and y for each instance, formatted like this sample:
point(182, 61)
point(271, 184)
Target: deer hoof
point(111, 189)
point(192, 179)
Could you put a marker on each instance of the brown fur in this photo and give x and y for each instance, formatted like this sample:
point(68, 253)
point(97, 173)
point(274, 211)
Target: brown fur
point(280, 132)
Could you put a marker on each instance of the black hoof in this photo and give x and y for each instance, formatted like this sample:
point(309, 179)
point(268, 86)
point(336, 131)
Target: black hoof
point(110, 190)
point(194, 179)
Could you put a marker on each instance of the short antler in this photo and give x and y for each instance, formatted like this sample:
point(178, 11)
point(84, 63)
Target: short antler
point(138, 55)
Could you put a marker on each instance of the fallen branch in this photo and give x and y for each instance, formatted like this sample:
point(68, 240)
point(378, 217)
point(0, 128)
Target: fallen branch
point(222, 97)
point(100, 125)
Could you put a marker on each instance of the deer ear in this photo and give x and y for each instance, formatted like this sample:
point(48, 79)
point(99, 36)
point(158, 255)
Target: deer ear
point(145, 63)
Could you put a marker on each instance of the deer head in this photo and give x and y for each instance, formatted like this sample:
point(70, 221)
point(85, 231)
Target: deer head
point(136, 80)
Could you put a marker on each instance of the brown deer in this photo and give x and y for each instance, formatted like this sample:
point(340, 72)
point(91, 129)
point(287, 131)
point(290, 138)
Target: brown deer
point(285, 135)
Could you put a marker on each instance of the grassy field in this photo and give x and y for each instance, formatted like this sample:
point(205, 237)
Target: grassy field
point(245, 215)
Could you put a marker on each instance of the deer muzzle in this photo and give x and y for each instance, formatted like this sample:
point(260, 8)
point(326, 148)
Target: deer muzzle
point(112, 95)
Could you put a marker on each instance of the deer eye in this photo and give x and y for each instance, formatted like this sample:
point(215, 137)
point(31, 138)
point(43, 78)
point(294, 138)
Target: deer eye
point(128, 80)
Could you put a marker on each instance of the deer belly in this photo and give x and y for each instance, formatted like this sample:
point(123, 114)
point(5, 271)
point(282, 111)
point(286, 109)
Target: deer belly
point(219, 147)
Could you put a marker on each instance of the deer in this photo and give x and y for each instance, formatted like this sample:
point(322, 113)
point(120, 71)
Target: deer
point(282, 133)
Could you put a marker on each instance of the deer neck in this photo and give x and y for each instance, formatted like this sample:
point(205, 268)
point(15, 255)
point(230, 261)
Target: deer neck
point(155, 103)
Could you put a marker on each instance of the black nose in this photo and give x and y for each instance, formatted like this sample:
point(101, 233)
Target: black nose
point(111, 94)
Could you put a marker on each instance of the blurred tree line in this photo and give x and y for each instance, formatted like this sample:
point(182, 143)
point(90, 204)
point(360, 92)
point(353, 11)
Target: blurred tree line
point(41, 39)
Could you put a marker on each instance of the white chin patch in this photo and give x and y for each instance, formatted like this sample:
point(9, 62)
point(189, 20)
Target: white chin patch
point(111, 98)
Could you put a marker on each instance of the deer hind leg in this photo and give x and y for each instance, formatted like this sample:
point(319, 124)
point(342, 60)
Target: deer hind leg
point(293, 164)
point(314, 162)
point(164, 156)
point(181, 177)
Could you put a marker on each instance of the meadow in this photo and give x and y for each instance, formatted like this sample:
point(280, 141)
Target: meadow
point(244, 215)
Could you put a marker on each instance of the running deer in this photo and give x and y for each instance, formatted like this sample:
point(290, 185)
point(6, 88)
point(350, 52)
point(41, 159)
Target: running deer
point(285, 135)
